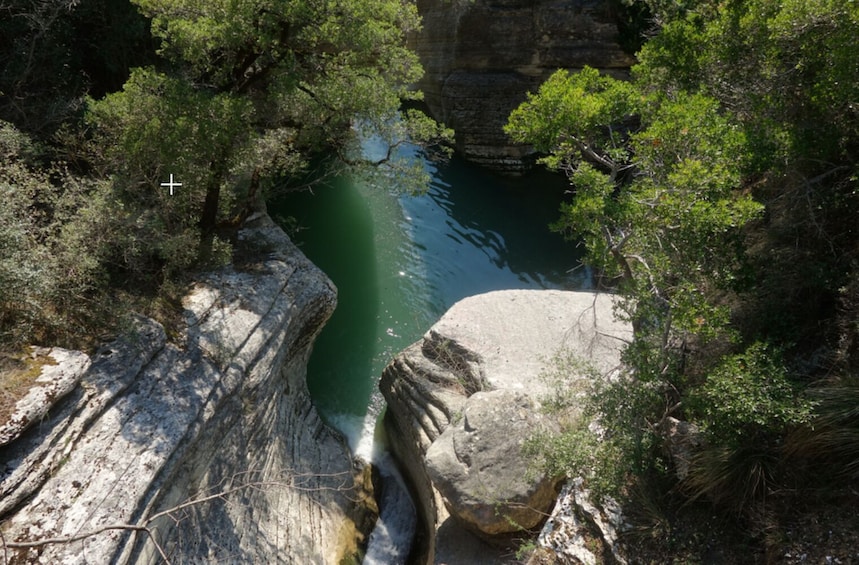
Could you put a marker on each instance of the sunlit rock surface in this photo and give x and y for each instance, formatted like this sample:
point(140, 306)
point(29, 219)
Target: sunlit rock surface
point(215, 423)
point(482, 56)
point(479, 468)
point(59, 373)
point(579, 532)
point(462, 401)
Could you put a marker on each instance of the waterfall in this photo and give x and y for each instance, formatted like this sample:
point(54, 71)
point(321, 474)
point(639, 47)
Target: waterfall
point(393, 535)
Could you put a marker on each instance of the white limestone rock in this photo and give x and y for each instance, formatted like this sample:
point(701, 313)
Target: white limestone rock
point(462, 401)
point(578, 526)
point(59, 374)
point(157, 424)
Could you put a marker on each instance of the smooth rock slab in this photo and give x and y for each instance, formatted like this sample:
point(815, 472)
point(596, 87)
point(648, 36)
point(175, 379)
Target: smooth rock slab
point(462, 400)
point(216, 425)
point(513, 335)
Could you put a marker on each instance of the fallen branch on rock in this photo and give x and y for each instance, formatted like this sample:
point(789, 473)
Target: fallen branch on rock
point(293, 481)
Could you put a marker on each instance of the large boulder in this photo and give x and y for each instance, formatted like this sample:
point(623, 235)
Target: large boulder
point(482, 56)
point(464, 399)
point(478, 467)
point(204, 446)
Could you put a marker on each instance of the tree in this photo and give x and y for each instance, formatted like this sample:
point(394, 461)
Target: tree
point(160, 125)
point(786, 68)
point(786, 71)
point(659, 203)
point(239, 93)
point(250, 89)
point(717, 192)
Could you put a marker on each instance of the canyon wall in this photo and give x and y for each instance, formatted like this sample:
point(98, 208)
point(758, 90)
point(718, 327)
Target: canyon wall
point(481, 57)
point(198, 443)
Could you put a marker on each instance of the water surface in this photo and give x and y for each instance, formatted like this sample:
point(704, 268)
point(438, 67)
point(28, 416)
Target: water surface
point(400, 261)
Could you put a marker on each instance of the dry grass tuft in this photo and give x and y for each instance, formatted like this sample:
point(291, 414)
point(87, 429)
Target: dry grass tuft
point(18, 374)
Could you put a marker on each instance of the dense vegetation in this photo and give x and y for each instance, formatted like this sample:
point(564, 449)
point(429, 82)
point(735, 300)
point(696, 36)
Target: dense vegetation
point(103, 100)
point(718, 191)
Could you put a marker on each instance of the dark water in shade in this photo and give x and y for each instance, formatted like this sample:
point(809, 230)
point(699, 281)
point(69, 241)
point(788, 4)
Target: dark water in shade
point(399, 262)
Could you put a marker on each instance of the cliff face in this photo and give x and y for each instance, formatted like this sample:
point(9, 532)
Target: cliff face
point(482, 56)
point(219, 428)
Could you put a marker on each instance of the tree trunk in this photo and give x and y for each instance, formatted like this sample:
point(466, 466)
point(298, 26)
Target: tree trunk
point(209, 216)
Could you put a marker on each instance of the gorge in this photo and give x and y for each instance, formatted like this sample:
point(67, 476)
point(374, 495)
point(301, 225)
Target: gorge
point(216, 413)
point(224, 412)
point(401, 260)
point(359, 374)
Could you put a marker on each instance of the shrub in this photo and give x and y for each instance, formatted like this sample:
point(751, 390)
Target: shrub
point(604, 436)
point(55, 231)
point(748, 395)
point(745, 407)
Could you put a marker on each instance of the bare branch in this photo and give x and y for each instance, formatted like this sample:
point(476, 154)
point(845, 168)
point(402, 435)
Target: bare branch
point(84, 535)
point(144, 524)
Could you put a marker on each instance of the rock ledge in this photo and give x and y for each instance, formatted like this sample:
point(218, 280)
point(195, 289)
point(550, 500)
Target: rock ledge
point(153, 425)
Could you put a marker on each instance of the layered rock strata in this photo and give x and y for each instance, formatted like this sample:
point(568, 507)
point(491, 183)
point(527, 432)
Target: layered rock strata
point(200, 448)
point(481, 57)
point(464, 400)
point(60, 370)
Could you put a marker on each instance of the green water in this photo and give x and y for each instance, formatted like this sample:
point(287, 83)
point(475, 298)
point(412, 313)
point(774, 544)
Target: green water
point(400, 261)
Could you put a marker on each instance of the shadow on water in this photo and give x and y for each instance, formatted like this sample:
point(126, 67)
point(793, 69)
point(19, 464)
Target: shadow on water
point(475, 232)
point(337, 235)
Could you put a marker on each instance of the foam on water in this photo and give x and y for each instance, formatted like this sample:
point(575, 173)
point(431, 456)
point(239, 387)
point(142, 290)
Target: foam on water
point(391, 539)
point(360, 433)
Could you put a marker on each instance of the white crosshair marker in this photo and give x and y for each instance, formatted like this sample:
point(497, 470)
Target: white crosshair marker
point(171, 184)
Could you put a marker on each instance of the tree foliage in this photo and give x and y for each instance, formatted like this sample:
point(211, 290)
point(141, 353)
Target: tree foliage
point(249, 90)
point(226, 96)
point(716, 191)
point(657, 200)
point(786, 71)
point(54, 239)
